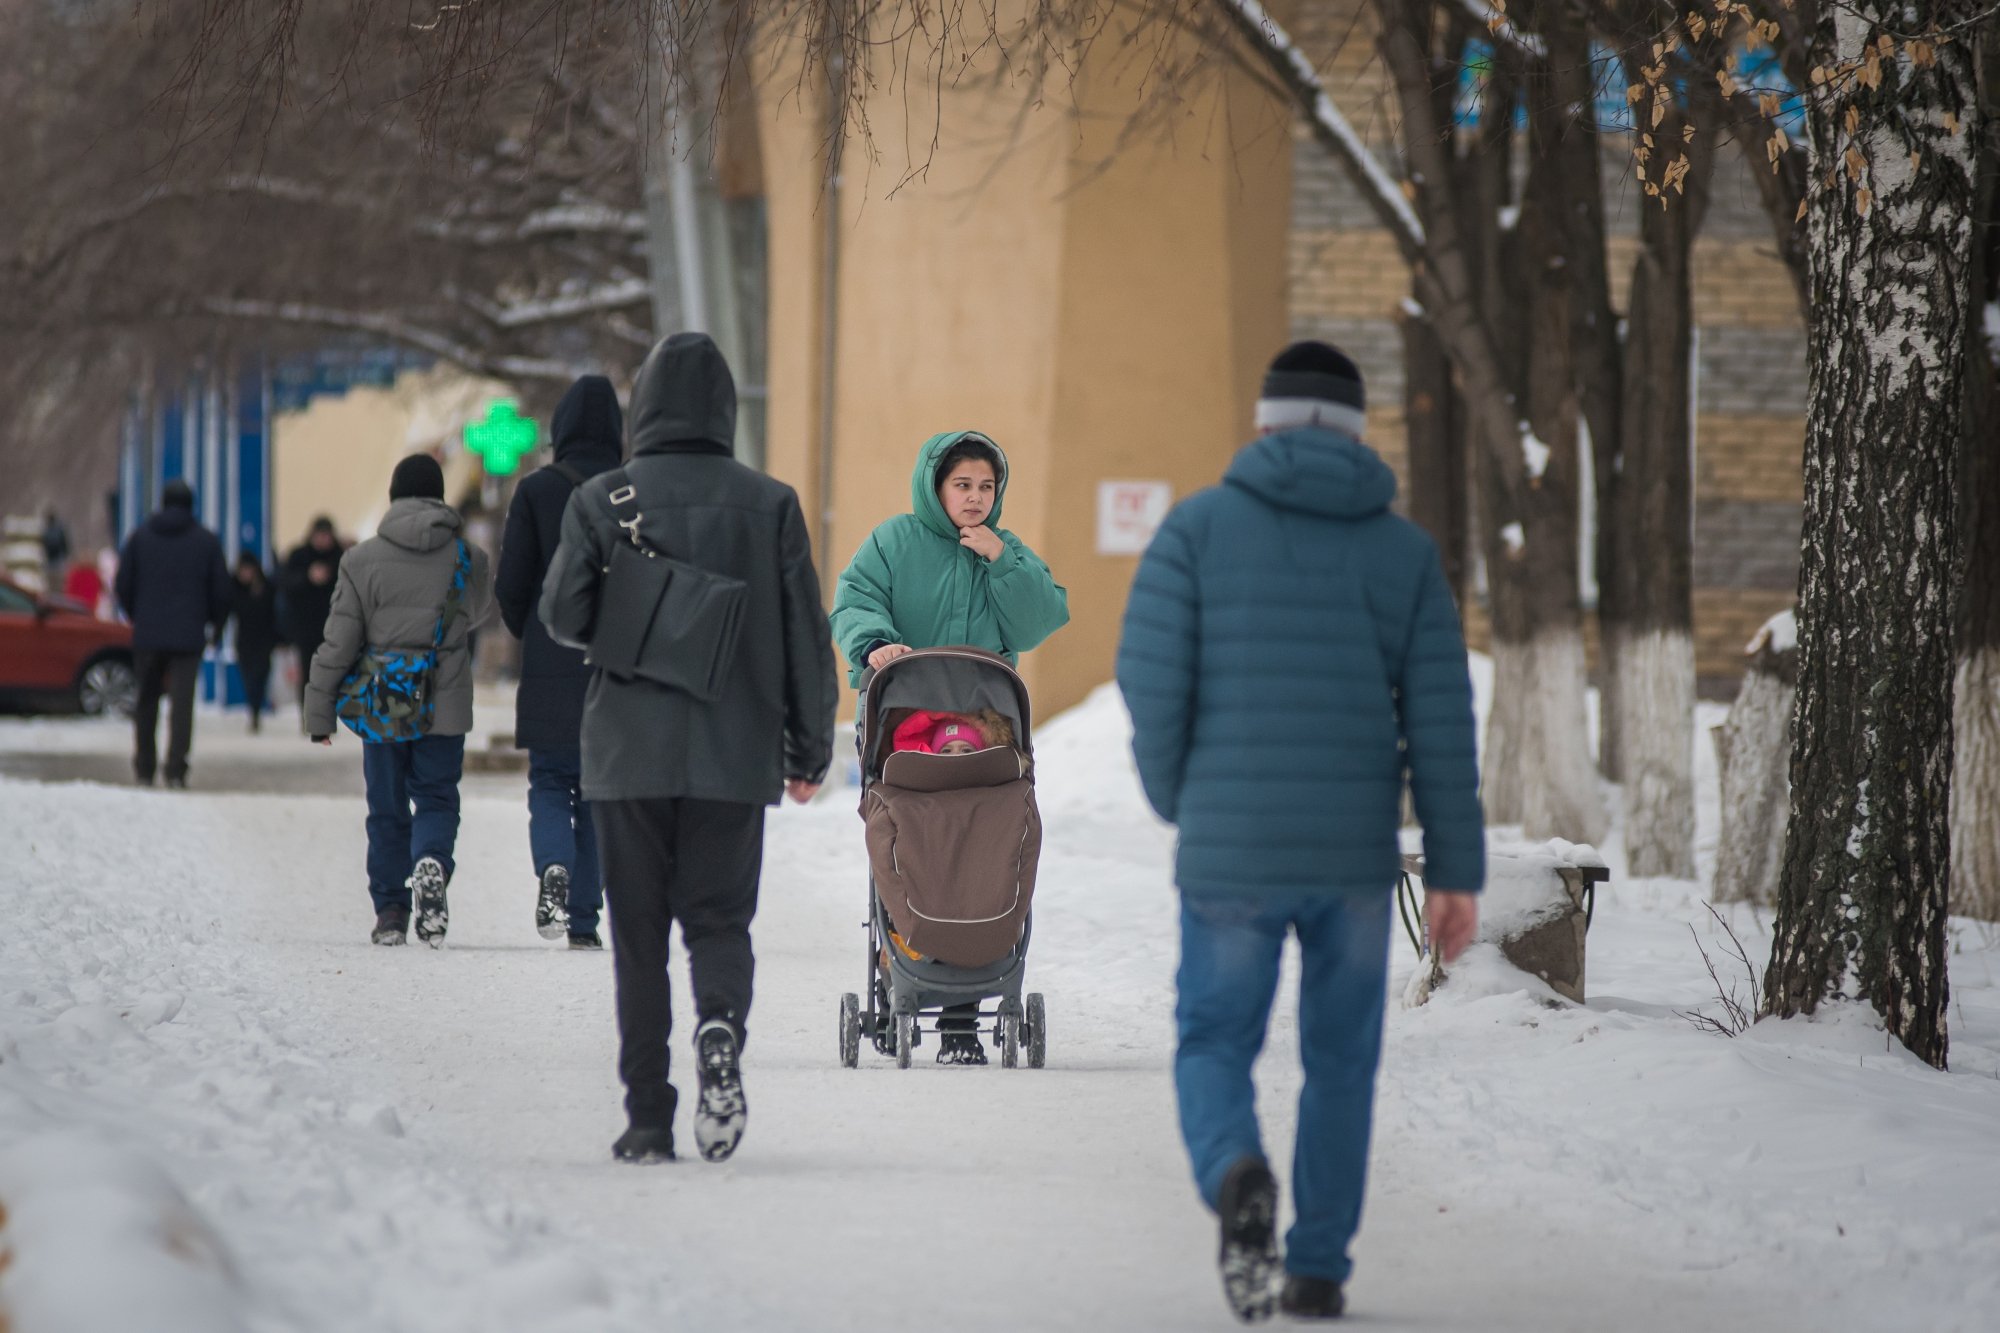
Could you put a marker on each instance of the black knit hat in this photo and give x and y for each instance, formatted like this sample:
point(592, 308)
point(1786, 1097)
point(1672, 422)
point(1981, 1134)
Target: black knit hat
point(177, 494)
point(417, 477)
point(1312, 384)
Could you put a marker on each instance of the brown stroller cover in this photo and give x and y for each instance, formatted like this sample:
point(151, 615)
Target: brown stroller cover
point(955, 841)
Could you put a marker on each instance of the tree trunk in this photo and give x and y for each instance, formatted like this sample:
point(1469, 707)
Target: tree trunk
point(1654, 521)
point(1975, 787)
point(1862, 897)
point(1538, 750)
point(1751, 751)
point(1435, 425)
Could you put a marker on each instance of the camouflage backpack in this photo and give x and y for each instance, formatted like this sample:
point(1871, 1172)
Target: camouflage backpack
point(386, 696)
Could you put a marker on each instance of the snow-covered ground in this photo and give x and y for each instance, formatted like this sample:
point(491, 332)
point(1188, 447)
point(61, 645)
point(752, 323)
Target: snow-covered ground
point(221, 1108)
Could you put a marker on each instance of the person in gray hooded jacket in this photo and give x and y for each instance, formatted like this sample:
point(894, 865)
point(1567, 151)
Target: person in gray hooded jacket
point(678, 784)
point(389, 594)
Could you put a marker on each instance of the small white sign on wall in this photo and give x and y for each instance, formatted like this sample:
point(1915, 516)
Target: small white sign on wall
point(1129, 513)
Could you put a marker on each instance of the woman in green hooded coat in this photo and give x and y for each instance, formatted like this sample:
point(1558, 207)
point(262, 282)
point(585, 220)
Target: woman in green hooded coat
point(946, 574)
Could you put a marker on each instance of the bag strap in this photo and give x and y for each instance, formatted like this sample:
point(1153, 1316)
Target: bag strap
point(454, 597)
point(575, 478)
point(624, 499)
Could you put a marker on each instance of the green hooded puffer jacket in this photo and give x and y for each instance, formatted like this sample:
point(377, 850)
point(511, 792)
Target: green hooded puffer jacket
point(913, 583)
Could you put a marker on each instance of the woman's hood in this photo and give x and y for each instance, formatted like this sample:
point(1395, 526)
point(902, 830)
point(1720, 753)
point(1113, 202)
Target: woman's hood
point(419, 524)
point(923, 488)
point(1316, 471)
point(588, 421)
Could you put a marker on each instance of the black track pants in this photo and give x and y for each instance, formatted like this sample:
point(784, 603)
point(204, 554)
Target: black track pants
point(666, 861)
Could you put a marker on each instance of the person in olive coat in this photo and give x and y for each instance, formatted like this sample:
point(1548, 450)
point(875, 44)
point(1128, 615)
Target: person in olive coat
point(589, 431)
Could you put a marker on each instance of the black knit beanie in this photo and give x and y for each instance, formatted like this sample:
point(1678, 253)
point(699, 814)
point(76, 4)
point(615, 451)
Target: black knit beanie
point(417, 477)
point(177, 494)
point(1312, 384)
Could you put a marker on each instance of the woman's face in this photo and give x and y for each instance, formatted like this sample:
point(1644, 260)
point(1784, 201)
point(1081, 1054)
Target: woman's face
point(968, 492)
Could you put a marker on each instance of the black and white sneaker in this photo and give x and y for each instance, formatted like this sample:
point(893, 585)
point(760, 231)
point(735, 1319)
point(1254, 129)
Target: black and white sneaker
point(552, 904)
point(433, 914)
point(1248, 1208)
point(721, 1111)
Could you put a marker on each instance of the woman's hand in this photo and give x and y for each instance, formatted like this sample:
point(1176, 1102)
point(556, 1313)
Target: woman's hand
point(886, 654)
point(982, 540)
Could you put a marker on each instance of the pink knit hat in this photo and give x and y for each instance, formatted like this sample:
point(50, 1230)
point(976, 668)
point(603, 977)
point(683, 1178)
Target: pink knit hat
point(956, 729)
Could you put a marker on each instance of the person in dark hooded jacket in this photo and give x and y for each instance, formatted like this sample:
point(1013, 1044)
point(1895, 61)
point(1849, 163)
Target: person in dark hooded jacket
point(173, 585)
point(589, 433)
point(1291, 656)
point(678, 784)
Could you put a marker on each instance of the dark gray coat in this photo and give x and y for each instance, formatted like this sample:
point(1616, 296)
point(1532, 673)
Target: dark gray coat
point(775, 718)
point(390, 590)
point(589, 433)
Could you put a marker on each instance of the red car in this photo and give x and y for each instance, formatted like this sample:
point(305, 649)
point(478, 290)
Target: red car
point(54, 652)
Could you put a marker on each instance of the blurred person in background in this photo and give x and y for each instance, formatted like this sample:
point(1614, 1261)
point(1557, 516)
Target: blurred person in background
point(255, 609)
point(174, 586)
point(305, 590)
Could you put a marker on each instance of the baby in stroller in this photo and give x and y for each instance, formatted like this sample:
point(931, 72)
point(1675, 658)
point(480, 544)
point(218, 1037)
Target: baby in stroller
point(954, 838)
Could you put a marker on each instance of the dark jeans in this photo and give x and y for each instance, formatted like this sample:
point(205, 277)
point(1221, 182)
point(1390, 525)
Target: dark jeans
point(174, 674)
point(1230, 948)
point(412, 810)
point(560, 832)
point(695, 862)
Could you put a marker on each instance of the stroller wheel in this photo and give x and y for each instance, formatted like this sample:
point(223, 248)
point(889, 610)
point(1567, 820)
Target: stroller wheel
point(1010, 1041)
point(850, 1030)
point(906, 1039)
point(1037, 1033)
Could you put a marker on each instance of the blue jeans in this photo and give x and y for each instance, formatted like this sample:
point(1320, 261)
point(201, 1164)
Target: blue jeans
point(1228, 977)
point(412, 810)
point(560, 832)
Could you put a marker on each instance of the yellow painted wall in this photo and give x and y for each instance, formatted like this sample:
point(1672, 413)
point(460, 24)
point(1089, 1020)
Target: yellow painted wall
point(1101, 316)
point(335, 457)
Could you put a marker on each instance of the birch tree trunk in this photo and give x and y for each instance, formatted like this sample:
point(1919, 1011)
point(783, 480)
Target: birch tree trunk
point(1654, 520)
point(1975, 786)
point(1751, 752)
point(1862, 897)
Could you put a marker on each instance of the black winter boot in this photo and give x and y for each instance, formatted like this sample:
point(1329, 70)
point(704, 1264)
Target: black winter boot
point(1248, 1208)
point(1312, 1298)
point(392, 926)
point(645, 1144)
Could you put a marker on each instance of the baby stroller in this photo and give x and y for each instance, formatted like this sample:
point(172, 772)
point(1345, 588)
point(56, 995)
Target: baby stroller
point(953, 844)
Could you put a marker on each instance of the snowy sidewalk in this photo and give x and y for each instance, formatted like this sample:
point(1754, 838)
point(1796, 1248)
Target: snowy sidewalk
point(409, 1140)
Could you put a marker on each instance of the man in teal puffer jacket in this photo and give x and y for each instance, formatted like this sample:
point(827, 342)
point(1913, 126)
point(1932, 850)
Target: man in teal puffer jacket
point(943, 576)
point(1291, 652)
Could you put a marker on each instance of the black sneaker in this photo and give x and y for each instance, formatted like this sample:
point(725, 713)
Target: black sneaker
point(720, 1111)
point(1248, 1209)
point(585, 941)
point(1312, 1298)
point(552, 904)
point(427, 885)
point(392, 926)
point(960, 1048)
point(645, 1144)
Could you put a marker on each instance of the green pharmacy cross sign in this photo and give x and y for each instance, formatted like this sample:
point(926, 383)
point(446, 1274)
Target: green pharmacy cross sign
point(502, 439)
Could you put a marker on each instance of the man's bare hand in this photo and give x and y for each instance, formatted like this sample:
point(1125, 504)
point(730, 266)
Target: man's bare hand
point(800, 790)
point(1450, 918)
point(886, 654)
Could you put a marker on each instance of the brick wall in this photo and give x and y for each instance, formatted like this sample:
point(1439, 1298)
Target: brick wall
point(1347, 281)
